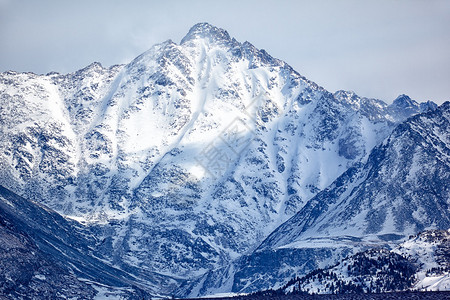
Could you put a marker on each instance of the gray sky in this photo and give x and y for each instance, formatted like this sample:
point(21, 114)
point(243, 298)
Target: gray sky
point(377, 48)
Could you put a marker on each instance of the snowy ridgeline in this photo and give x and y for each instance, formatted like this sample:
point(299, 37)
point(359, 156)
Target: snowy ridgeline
point(215, 167)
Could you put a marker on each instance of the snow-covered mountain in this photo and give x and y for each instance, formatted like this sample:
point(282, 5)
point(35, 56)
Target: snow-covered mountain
point(420, 263)
point(401, 189)
point(189, 156)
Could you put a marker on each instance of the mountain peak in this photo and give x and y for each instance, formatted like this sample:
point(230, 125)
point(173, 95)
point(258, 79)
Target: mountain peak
point(207, 31)
point(404, 101)
point(428, 106)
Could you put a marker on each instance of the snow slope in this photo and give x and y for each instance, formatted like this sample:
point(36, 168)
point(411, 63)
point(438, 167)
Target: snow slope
point(401, 189)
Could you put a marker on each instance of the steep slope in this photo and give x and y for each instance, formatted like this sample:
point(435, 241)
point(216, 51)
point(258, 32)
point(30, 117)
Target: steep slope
point(401, 189)
point(420, 263)
point(403, 186)
point(43, 254)
point(25, 271)
point(188, 156)
point(42, 119)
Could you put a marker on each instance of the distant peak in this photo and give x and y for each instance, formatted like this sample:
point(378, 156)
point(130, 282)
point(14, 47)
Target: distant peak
point(404, 101)
point(345, 94)
point(402, 97)
point(94, 65)
point(428, 106)
point(206, 30)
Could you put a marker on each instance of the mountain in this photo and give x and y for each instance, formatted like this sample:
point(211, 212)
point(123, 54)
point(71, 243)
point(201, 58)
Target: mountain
point(26, 271)
point(401, 189)
point(44, 255)
point(184, 160)
point(420, 263)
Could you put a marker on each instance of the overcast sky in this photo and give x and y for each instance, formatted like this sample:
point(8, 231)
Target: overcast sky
point(379, 48)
